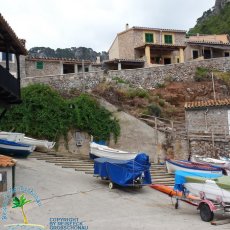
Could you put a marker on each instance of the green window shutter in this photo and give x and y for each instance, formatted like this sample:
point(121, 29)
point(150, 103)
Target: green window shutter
point(168, 39)
point(149, 38)
point(39, 65)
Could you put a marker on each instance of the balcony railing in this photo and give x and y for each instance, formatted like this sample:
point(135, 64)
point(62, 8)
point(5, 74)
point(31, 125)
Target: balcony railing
point(9, 87)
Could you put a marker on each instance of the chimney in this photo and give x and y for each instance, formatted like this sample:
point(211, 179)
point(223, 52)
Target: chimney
point(127, 26)
point(98, 61)
point(23, 41)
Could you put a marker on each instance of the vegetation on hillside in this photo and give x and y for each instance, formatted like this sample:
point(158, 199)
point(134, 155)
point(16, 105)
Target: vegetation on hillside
point(80, 53)
point(44, 113)
point(211, 23)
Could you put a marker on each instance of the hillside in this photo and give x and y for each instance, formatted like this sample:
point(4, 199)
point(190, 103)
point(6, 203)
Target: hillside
point(80, 53)
point(214, 21)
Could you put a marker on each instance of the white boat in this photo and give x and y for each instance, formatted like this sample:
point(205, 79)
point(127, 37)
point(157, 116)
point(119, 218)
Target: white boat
point(97, 150)
point(15, 149)
point(212, 161)
point(224, 164)
point(188, 166)
point(10, 136)
point(213, 189)
point(40, 144)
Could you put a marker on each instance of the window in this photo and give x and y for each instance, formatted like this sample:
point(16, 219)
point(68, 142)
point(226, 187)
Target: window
point(226, 54)
point(39, 64)
point(4, 57)
point(168, 39)
point(86, 69)
point(195, 54)
point(149, 38)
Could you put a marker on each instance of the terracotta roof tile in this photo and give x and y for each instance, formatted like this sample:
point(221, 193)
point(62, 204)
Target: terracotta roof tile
point(208, 42)
point(6, 161)
point(158, 29)
point(32, 58)
point(209, 103)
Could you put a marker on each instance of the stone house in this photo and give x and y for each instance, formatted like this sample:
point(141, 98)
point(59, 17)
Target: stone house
point(154, 46)
point(212, 116)
point(35, 66)
point(207, 46)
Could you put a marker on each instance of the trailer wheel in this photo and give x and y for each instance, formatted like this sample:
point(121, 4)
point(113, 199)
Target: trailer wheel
point(111, 185)
point(205, 213)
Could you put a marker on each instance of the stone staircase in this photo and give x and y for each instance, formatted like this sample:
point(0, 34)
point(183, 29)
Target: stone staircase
point(158, 172)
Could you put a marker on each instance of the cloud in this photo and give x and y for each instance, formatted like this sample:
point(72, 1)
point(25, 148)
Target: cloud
point(94, 24)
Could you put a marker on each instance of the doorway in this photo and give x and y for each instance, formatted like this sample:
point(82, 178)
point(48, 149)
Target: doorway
point(167, 61)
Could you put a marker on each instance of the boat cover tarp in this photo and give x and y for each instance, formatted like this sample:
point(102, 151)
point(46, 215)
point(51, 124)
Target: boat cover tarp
point(223, 182)
point(182, 177)
point(124, 172)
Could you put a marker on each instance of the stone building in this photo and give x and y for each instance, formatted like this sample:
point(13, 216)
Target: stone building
point(208, 116)
point(207, 46)
point(208, 127)
point(153, 45)
point(35, 66)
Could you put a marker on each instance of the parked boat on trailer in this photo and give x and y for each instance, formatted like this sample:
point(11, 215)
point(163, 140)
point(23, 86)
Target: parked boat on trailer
point(188, 166)
point(97, 150)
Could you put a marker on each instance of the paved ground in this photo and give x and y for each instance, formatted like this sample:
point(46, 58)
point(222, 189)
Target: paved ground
point(65, 193)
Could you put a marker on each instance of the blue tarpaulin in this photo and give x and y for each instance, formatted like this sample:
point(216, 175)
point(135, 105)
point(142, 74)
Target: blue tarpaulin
point(180, 178)
point(122, 172)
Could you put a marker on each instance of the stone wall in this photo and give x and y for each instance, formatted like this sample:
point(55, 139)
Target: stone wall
point(208, 120)
point(149, 77)
point(66, 82)
point(209, 147)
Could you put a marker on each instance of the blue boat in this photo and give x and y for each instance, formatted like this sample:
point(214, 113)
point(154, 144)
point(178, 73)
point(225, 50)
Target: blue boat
point(124, 173)
point(15, 149)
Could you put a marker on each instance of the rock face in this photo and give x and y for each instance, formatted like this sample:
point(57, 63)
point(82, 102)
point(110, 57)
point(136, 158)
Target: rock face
point(219, 5)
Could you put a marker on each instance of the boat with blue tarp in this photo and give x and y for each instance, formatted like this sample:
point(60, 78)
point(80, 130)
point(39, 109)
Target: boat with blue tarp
point(134, 172)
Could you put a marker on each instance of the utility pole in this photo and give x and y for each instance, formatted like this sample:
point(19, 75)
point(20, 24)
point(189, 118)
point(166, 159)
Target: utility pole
point(213, 86)
point(83, 74)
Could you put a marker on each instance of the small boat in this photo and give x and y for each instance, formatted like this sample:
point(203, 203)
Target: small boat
point(10, 136)
point(224, 164)
point(171, 192)
point(97, 150)
point(212, 187)
point(188, 166)
point(211, 161)
point(15, 149)
point(42, 145)
point(135, 172)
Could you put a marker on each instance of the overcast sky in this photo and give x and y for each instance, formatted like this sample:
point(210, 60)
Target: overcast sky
point(94, 23)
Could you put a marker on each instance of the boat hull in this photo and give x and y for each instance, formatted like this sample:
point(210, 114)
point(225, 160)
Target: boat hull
point(98, 151)
point(171, 167)
point(210, 189)
point(14, 149)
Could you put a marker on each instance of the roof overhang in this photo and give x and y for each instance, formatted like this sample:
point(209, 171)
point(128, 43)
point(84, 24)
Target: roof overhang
point(223, 46)
point(205, 104)
point(162, 46)
point(8, 37)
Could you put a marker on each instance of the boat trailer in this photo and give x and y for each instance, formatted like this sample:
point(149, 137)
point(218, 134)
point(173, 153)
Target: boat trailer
point(206, 207)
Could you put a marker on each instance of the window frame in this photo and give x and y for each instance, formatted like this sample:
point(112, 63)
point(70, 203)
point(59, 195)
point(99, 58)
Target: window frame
point(3, 57)
point(172, 39)
point(149, 33)
point(39, 65)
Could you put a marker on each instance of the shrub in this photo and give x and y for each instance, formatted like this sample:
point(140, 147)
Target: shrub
point(161, 102)
point(132, 93)
point(45, 114)
point(154, 109)
point(119, 80)
point(160, 85)
point(201, 74)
